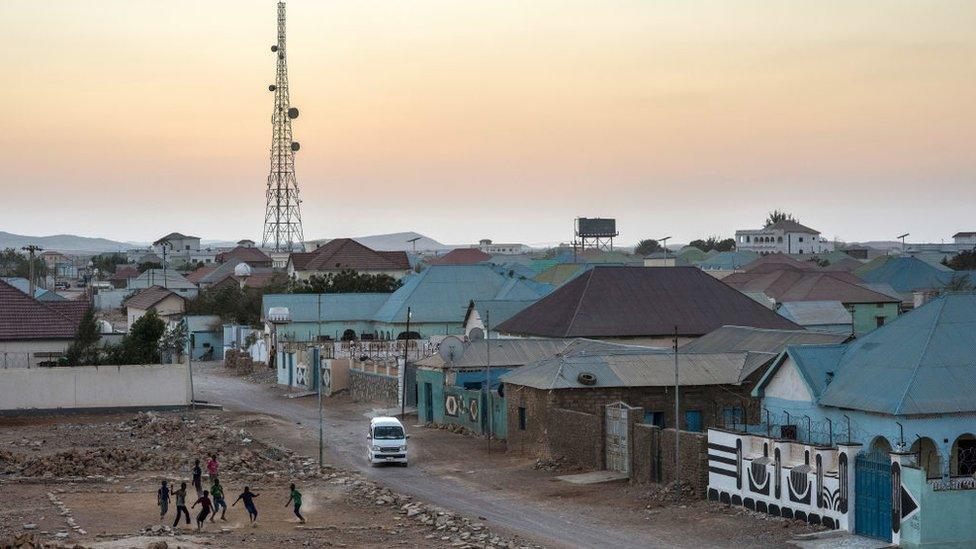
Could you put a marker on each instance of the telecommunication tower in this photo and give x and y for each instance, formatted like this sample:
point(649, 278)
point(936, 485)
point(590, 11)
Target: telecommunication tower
point(283, 216)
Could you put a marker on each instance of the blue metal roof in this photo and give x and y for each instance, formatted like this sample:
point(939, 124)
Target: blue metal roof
point(442, 293)
point(727, 261)
point(40, 294)
point(334, 307)
point(907, 274)
point(923, 362)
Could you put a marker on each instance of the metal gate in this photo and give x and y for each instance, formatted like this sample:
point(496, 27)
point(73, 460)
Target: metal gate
point(873, 495)
point(617, 443)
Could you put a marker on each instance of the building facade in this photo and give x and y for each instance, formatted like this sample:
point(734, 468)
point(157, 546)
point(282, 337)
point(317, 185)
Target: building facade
point(787, 237)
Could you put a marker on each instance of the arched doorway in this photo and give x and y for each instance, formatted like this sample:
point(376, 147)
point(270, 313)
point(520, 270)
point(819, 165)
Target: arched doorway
point(928, 457)
point(349, 335)
point(879, 444)
point(962, 461)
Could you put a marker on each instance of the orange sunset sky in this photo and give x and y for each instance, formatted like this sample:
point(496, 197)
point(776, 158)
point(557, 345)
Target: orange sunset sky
point(505, 119)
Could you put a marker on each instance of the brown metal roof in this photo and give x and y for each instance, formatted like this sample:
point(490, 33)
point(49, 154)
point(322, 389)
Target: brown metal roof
point(145, 299)
point(792, 285)
point(25, 318)
point(619, 301)
point(462, 256)
point(245, 254)
point(790, 226)
point(346, 253)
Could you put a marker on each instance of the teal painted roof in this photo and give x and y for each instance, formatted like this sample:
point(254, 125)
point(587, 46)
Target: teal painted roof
point(40, 294)
point(727, 261)
point(923, 362)
point(907, 274)
point(334, 307)
point(442, 293)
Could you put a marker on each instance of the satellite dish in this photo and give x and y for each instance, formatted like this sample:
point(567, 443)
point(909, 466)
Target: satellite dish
point(295, 146)
point(293, 113)
point(475, 334)
point(274, 48)
point(450, 349)
point(242, 269)
point(272, 88)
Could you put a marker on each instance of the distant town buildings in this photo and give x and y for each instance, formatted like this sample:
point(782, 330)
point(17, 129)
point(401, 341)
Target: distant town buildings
point(490, 248)
point(787, 237)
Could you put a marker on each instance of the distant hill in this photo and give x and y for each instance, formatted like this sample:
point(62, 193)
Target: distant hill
point(391, 242)
point(63, 243)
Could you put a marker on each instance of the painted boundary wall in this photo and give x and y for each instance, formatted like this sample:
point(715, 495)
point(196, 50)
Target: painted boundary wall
point(94, 387)
point(932, 513)
point(782, 478)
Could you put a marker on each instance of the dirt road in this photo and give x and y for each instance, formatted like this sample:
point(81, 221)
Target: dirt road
point(454, 471)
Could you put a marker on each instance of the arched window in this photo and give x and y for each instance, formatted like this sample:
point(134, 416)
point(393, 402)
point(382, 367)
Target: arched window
point(962, 461)
point(927, 456)
point(879, 444)
point(779, 239)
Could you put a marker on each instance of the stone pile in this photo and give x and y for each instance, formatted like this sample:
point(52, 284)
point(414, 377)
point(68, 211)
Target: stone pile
point(30, 540)
point(445, 525)
point(75, 463)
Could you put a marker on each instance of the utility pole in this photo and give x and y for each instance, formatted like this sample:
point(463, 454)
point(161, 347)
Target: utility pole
point(189, 366)
point(403, 373)
point(677, 424)
point(317, 353)
point(31, 249)
point(488, 377)
point(664, 244)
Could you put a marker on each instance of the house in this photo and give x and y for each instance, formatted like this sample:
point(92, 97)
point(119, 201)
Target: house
point(231, 272)
point(168, 304)
point(787, 236)
point(346, 254)
point(450, 391)
point(32, 332)
point(462, 256)
point(722, 264)
point(871, 308)
point(167, 278)
point(180, 249)
point(664, 259)
point(965, 238)
point(122, 275)
point(491, 248)
point(821, 316)
point(881, 425)
point(245, 252)
point(41, 294)
point(558, 406)
point(641, 305)
point(197, 274)
point(327, 316)
point(910, 275)
point(206, 336)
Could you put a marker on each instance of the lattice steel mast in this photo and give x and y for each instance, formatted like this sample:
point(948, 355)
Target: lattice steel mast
point(283, 216)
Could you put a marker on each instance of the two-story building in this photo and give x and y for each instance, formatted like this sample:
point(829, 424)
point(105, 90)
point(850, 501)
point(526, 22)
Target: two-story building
point(787, 237)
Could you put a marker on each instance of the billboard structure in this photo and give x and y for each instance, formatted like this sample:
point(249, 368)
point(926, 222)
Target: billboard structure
point(595, 232)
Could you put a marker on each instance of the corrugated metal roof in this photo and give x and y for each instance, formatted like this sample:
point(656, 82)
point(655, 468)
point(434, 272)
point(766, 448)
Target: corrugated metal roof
point(500, 309)
point(907, 274)
point(627, 366)
point(796, 285)
point(922, 362)
point(334, 307)
point(640, 302)
point(727, 261)
point(816, 313)
point(508, 353)
point(161, 277)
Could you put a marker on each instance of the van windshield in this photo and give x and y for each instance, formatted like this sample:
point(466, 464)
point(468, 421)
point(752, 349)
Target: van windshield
point(387, 432)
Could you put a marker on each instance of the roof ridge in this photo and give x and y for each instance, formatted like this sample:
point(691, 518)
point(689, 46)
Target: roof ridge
point(579, 303)
point(918, 364)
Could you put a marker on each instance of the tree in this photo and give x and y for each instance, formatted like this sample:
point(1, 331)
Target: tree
point(108, 262)
point(713, 243)
point(141, 345)
point(958, 282)
point(146, 265)
point(174, 339)
point(776, 216)
point(962, 261)
point(84, 351)
point(14, 263)
point(346, 281)
point(647, 247)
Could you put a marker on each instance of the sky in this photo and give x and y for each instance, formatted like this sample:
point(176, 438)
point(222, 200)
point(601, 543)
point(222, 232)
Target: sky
point(502, 119)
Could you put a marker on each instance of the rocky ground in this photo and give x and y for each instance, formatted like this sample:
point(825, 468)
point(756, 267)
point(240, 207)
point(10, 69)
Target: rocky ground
point(90, 481)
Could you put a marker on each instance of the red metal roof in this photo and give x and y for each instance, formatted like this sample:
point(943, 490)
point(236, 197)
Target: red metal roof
point(246, 254)
point(792, 285)
point(346, 253)
point(620, 301)
point(25, 318)
point(462, 256)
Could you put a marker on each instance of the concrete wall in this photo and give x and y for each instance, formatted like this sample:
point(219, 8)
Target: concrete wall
point(338, 369)
point(22, 354)
point(82, 387)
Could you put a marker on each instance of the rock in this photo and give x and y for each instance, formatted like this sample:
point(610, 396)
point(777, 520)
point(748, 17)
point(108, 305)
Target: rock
point(30, 526)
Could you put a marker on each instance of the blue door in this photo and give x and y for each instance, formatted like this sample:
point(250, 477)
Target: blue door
point(428, 402)
point(693, 421)
point(872, 495)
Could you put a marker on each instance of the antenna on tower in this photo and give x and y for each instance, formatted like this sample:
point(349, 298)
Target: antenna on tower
point(283, 216)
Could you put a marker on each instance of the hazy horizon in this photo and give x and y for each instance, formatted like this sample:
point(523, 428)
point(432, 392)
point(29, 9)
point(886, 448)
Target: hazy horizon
point(504, 120)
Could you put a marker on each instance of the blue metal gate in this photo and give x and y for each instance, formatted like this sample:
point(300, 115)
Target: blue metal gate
point(872, 507)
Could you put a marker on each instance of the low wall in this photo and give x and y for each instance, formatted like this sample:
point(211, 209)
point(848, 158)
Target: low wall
point(576, 437)
point(93, 387)
point(338, 369)
point(373, 387)
point(653, 457)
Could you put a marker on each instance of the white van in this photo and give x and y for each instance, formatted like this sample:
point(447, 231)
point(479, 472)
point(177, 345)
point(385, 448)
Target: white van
point(386, 441)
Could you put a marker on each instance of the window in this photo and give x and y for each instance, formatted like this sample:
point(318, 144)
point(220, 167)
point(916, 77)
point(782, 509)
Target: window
point(879, 321)
point(747, 238)
point(801, 239)
point(521, 418)
point(693, 420)
point(654, 418)
point(733, 415)
point(779, 239)
point(879, 305)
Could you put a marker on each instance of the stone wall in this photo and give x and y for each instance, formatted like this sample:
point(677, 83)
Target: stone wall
point(532, 439)
point(373, 387)
point(654, 457)
point(576, 437)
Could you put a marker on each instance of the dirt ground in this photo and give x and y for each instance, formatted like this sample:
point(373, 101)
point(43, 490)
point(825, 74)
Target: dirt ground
point(92, 480)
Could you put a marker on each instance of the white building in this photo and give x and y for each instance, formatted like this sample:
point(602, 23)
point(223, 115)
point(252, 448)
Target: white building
point(965, 240)
point(489, 247)
point(787, 237)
